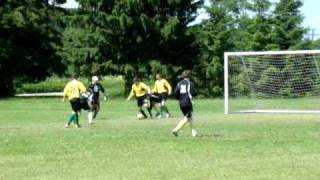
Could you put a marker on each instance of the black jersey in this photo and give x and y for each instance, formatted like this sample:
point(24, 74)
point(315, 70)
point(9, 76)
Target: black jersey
point(94, 90)
point(184, 92)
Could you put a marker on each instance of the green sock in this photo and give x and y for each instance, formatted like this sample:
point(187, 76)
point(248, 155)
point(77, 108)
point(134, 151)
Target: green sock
point(161, 110)
point(76, 119)
point(71, 118)
point(166, 109)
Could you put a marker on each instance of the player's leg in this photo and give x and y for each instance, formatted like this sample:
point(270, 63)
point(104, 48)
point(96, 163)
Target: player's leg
point(90, 111)
point(185, 110)
point(191, 123)
point(70, 119)
point(151, 104)
point(163, 105)
point(72, 116)
point(142, 105)
point(77, 110)
point(156, 108)
point(96, 110)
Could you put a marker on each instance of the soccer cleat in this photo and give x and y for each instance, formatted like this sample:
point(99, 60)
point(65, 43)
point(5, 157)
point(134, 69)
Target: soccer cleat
point(175, 133)
point(168, 115)
point(67, 126)
point(78, 126)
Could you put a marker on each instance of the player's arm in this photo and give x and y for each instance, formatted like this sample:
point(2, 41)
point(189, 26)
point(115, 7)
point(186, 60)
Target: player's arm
point(168, 86)
point(193, 92)
point(146, 88)
point(177, 91)
point(103, 92)
point(131, 93)
point(65, 92)
point(82, 88)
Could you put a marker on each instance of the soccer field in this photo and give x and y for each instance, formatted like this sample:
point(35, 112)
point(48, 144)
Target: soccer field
point(35, 145)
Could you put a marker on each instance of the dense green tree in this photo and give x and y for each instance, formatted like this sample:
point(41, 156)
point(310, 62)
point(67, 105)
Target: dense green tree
point(214, 35)
point(287, 19)
point(124, 36)
point(29, 37)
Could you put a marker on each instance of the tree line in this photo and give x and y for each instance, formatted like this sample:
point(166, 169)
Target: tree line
point(39, 39)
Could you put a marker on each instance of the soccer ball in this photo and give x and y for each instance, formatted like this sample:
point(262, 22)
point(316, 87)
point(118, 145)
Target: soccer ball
point(139, 116)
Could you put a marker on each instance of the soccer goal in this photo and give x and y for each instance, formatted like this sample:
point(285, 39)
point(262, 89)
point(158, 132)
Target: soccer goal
point(272, 82)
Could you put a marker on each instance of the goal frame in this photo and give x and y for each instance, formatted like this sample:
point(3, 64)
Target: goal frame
point(255, 53)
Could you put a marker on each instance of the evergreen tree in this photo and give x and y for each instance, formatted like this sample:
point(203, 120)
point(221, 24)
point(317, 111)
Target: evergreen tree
point(287, 21)
point(29, 37)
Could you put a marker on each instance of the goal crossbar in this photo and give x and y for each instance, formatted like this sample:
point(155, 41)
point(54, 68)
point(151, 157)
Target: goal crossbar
point(253, 53)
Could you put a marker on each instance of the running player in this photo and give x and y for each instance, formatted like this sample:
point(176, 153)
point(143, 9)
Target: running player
point(184, 92)
point(162, 88)
point(72, 91)
point(140, 91)
point(94, 103)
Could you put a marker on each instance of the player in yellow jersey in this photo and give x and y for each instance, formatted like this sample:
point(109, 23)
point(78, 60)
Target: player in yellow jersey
point(72, 92)
point(162, 88)
point(140, 91)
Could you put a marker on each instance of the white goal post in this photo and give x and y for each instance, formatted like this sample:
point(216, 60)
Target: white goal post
point(272, 82)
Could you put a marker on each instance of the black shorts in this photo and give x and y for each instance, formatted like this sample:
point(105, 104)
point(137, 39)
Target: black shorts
point(94, 105)
point(142, 100)
point(154, 99)
point(187, 111)
point(163, 96)
point(75, 104)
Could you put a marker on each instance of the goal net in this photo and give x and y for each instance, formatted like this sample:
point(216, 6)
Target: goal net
point(272, 82)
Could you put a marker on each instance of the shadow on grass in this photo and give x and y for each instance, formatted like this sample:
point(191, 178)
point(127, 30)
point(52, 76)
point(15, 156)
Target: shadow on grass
point(209, 135)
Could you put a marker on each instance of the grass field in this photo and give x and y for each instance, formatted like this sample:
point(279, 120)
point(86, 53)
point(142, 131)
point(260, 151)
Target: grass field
point(35, 145)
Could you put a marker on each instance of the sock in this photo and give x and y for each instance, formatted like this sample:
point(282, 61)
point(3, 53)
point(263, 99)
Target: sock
point(143, 113)
point(90, 117)
point(71, 118)
point(161, 110)
point(76, 120)
point(166, 109)
point(150, 111)
point(193, 130)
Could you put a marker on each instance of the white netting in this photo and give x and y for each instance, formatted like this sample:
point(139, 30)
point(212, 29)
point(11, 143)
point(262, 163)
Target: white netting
point(275, 81)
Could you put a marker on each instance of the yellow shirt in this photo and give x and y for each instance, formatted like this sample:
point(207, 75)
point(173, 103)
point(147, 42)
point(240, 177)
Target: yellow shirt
point(139, 90)
point(162, 86)
point(73, 89)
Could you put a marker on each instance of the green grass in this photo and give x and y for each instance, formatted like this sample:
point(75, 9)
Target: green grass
point(35, 145)
point(308, 103)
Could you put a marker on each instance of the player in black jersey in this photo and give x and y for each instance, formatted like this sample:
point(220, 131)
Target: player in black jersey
point(184, 92)
point(94, 90)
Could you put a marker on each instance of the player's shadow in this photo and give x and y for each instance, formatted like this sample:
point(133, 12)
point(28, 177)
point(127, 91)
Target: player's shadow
point(209, 135)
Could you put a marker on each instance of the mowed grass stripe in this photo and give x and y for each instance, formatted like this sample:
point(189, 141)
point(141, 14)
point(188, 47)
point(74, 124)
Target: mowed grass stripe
point(34, 144)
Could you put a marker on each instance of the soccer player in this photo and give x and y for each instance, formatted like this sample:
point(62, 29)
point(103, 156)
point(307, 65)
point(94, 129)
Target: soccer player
point(72, 91)
point(163, 89)
point(184, 92)
point(140, 91)
point(94, 90)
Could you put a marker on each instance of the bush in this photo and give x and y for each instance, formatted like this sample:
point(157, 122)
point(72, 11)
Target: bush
point(114, 86)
